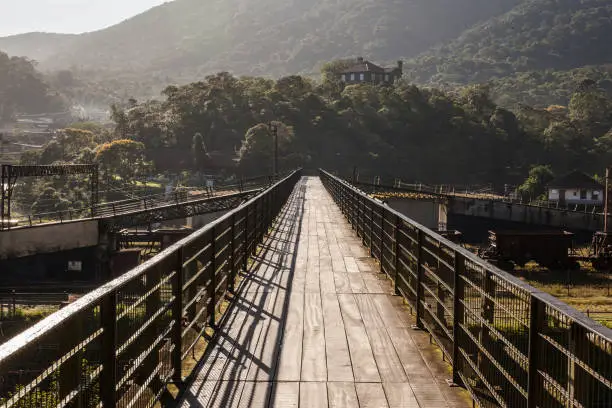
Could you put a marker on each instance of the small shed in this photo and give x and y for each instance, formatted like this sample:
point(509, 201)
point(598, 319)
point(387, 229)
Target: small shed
point(576, 187)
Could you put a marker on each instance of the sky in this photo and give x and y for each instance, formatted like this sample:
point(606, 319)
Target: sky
point(67, 16)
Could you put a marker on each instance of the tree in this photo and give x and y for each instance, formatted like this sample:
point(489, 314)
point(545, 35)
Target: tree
point(535, 185)
point(198, 149)
point(257, 150)
point(122, 157)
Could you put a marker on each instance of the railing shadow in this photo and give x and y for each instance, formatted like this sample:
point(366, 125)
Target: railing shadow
point(276, 253)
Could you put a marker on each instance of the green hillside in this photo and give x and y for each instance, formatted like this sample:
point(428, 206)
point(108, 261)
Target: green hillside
point(543, 44)
point(190, 38)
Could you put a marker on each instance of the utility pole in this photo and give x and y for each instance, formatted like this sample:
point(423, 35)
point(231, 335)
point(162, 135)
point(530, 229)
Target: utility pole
point(274, 129)
point(607, 202)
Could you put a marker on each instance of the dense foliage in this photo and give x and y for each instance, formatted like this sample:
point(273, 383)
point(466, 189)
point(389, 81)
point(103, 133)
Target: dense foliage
point(23, 90)
point(225, 122)
point(539, 46)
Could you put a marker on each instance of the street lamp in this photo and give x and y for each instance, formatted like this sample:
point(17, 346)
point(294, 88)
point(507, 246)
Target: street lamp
point(274, 129)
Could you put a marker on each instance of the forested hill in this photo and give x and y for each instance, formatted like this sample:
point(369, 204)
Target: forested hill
point(23, 89)
point(552, 40)
point(189, 38)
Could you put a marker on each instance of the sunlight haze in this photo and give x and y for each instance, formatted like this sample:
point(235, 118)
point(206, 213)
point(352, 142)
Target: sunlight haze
point(67, 16)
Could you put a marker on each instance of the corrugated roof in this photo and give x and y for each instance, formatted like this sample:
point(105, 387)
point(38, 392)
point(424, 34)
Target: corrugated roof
point(575, 179)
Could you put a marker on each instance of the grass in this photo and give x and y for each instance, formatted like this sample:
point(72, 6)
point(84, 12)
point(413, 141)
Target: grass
point(586, 289)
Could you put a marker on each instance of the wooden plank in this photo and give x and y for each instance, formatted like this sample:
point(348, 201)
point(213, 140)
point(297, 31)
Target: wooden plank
point(391, 316)
point(350, 310)
point(400, 395)
point(337, 262)
point(339, 366)
point(342, 282)
point(387, 361)
point(313, 395)
point(351, 264)
point(326, 280)
point(409, 355)
point(368, 311)
point(213, 394)
point(313, 353)
point(255, 394)
point(357, 283)
point(265, 356)
point(366, 264)
point(371, 395)
point(289, 366)
point(373, 283)
point(285, 394)
point(342, 395)
point(312, 271)
point(226, 361)
point(362, 357)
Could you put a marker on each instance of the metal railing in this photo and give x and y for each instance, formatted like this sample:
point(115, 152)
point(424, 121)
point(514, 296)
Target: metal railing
point(421, 191)
point(122, 344)
point(509, 344)
point(145, 203)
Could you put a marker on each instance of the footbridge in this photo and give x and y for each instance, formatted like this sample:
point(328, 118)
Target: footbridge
point(311, 294)
point(68, 230)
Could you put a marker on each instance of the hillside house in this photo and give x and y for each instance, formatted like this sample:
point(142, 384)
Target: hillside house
point(364, 71)
point(576, 187)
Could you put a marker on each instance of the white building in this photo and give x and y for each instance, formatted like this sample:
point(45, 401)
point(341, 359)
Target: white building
point(576, 188)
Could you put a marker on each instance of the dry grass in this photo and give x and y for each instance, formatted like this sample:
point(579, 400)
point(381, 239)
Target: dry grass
point(586, 289)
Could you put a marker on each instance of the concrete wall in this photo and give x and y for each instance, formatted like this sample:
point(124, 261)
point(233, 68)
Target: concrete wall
point(427, 213)
point(573, 221)
point(51, 267)
point(48, 239)
point(198, 221)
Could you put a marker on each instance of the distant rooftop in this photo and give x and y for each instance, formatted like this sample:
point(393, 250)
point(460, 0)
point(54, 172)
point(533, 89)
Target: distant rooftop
point(363, 65)
point(575, 179)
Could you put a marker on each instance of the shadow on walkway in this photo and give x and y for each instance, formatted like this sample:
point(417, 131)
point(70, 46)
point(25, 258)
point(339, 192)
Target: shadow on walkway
point(220, 378)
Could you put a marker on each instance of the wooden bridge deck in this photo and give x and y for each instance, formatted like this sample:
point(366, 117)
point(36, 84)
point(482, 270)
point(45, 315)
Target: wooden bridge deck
point(316, 325)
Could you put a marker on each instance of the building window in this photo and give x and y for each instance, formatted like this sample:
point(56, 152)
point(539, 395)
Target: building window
point(346, 77)
point(362, 77)
point(387, 77)
point(574, 194)
point(352, 77)
point(583, 194)
point(595, 195)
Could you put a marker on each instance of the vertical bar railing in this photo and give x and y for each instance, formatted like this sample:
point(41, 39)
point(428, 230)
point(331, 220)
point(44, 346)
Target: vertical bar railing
point(509, 344)
point(123, 343)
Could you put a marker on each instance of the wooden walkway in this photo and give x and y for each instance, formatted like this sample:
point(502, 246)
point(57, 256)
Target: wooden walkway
point(316, 325)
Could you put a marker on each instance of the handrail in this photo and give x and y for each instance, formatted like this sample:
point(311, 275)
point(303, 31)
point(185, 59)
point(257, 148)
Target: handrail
point(509, 343)
point(122, 343)
point(120, 207)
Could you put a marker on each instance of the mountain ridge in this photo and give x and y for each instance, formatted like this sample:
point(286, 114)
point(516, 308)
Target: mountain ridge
point(265, 37)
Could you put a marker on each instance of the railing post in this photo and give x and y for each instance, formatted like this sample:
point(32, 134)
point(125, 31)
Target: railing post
point(458, 313)
point(382, 239)
point(396, 248)
point(232, 277)
point(371, 229)
point(419, 271)
point(536, 321)
point(71, 370)
point(177, 316)
point(212, 294)
point(245, 257)
point(108, 376)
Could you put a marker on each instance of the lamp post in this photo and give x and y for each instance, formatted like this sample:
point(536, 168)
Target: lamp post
point(274, 129)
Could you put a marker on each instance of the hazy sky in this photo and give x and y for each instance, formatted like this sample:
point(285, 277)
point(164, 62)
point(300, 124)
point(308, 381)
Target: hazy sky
point(67, 16)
